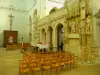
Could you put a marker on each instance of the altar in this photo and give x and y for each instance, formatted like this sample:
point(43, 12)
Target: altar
point(41, 46)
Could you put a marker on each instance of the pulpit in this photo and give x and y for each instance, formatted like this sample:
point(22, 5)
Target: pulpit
point(10, 37)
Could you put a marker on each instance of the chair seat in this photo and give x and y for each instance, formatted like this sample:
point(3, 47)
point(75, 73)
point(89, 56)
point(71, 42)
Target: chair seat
point(62, 63)
point(31, 65)
point(25, 70)
point(24, 65)
point(55, 65)
point(36, 69)
point(46, 67)
point(67, 62)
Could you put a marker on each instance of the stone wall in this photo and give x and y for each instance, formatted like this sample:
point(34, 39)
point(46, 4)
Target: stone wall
point(76, 20)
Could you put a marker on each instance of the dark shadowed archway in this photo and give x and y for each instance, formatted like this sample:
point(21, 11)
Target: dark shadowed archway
point(43, 36)
point(50, 30)
point(60, 36)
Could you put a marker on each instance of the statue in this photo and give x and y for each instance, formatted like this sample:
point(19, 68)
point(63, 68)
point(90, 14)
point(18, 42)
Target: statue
point(73, 27)
point(88, 24)
point(82, 27)
point(88, 6)
point(77, 27)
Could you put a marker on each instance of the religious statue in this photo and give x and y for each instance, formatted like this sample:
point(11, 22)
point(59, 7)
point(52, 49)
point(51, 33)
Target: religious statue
point(77, 26)
point(88, 6)
point(88, 24)
point(68, 26)
point(73, 27)
point(82, 27)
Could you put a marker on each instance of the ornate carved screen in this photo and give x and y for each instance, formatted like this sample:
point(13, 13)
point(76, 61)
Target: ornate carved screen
point(10, 37)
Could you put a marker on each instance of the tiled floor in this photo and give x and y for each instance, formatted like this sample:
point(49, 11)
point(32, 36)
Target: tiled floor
point(9, 65)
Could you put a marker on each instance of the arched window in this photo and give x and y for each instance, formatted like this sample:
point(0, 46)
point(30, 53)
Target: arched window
point(35, 16)
point(30, 20)
point(53, 10)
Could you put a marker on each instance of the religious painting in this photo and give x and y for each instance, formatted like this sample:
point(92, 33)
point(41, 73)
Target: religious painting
point(10, 37)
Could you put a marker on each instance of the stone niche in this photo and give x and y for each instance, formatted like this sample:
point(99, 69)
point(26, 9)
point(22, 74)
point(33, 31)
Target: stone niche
point(74, 44)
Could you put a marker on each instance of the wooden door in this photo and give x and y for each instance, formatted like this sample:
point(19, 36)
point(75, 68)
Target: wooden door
point(10, 37)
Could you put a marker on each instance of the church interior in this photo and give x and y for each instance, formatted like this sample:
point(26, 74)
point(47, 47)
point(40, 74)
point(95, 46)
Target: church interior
point(49, 37)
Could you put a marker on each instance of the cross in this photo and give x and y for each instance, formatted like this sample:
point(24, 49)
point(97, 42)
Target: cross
point(10, 20)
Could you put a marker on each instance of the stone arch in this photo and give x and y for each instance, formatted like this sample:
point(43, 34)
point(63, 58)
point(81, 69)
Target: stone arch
point(59, 36)
point(43, 35)
point(50, 36)
point(53, 10)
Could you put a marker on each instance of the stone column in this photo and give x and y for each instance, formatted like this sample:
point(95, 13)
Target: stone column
point(32, 41)
point(40, 36)
point(47, 36)
point(89, 48)
point(84, 53)
point(65, 38)
point(54, 39)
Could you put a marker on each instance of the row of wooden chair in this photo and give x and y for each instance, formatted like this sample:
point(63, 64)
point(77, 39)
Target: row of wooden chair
point(17, 46)
point(11, 47)
point(46, 63)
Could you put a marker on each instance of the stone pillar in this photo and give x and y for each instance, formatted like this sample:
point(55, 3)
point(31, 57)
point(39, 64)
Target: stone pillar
point(40, 35)
point(32, 33)
point(89, 48)
point(65, 38)
point(32, 41)
point(54, 39)
point(47, 36)
point(83, 31)
point(84, 51)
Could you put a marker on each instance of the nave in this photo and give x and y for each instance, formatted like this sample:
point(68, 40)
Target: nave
point(9, 65)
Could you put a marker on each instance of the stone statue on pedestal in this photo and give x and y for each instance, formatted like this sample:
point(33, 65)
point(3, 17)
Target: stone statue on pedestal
point(73, 27)
point(88, 24)
point(77, 27)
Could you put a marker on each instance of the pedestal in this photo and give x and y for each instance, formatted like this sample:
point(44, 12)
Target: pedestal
point(74, 44)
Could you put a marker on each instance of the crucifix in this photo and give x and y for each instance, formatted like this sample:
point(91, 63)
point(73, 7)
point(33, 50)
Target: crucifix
point(10, 20)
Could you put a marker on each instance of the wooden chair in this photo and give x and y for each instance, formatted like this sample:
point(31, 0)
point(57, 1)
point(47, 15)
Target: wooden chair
point(55, 66)
point(47, 63)
point(14, 46)
point(75, 61)
point(9, 47)
point(46, 67)
point(61, 63)
point(23, 68)
point(25, 46)
point(36, 68)
point(67, 62)
point(19, 45)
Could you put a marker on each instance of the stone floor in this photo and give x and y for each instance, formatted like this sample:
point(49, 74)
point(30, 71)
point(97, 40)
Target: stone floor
point(9, 65)
point(9, 62)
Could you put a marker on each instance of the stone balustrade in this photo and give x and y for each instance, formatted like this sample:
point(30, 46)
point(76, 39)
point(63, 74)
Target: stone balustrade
point(55, 15)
